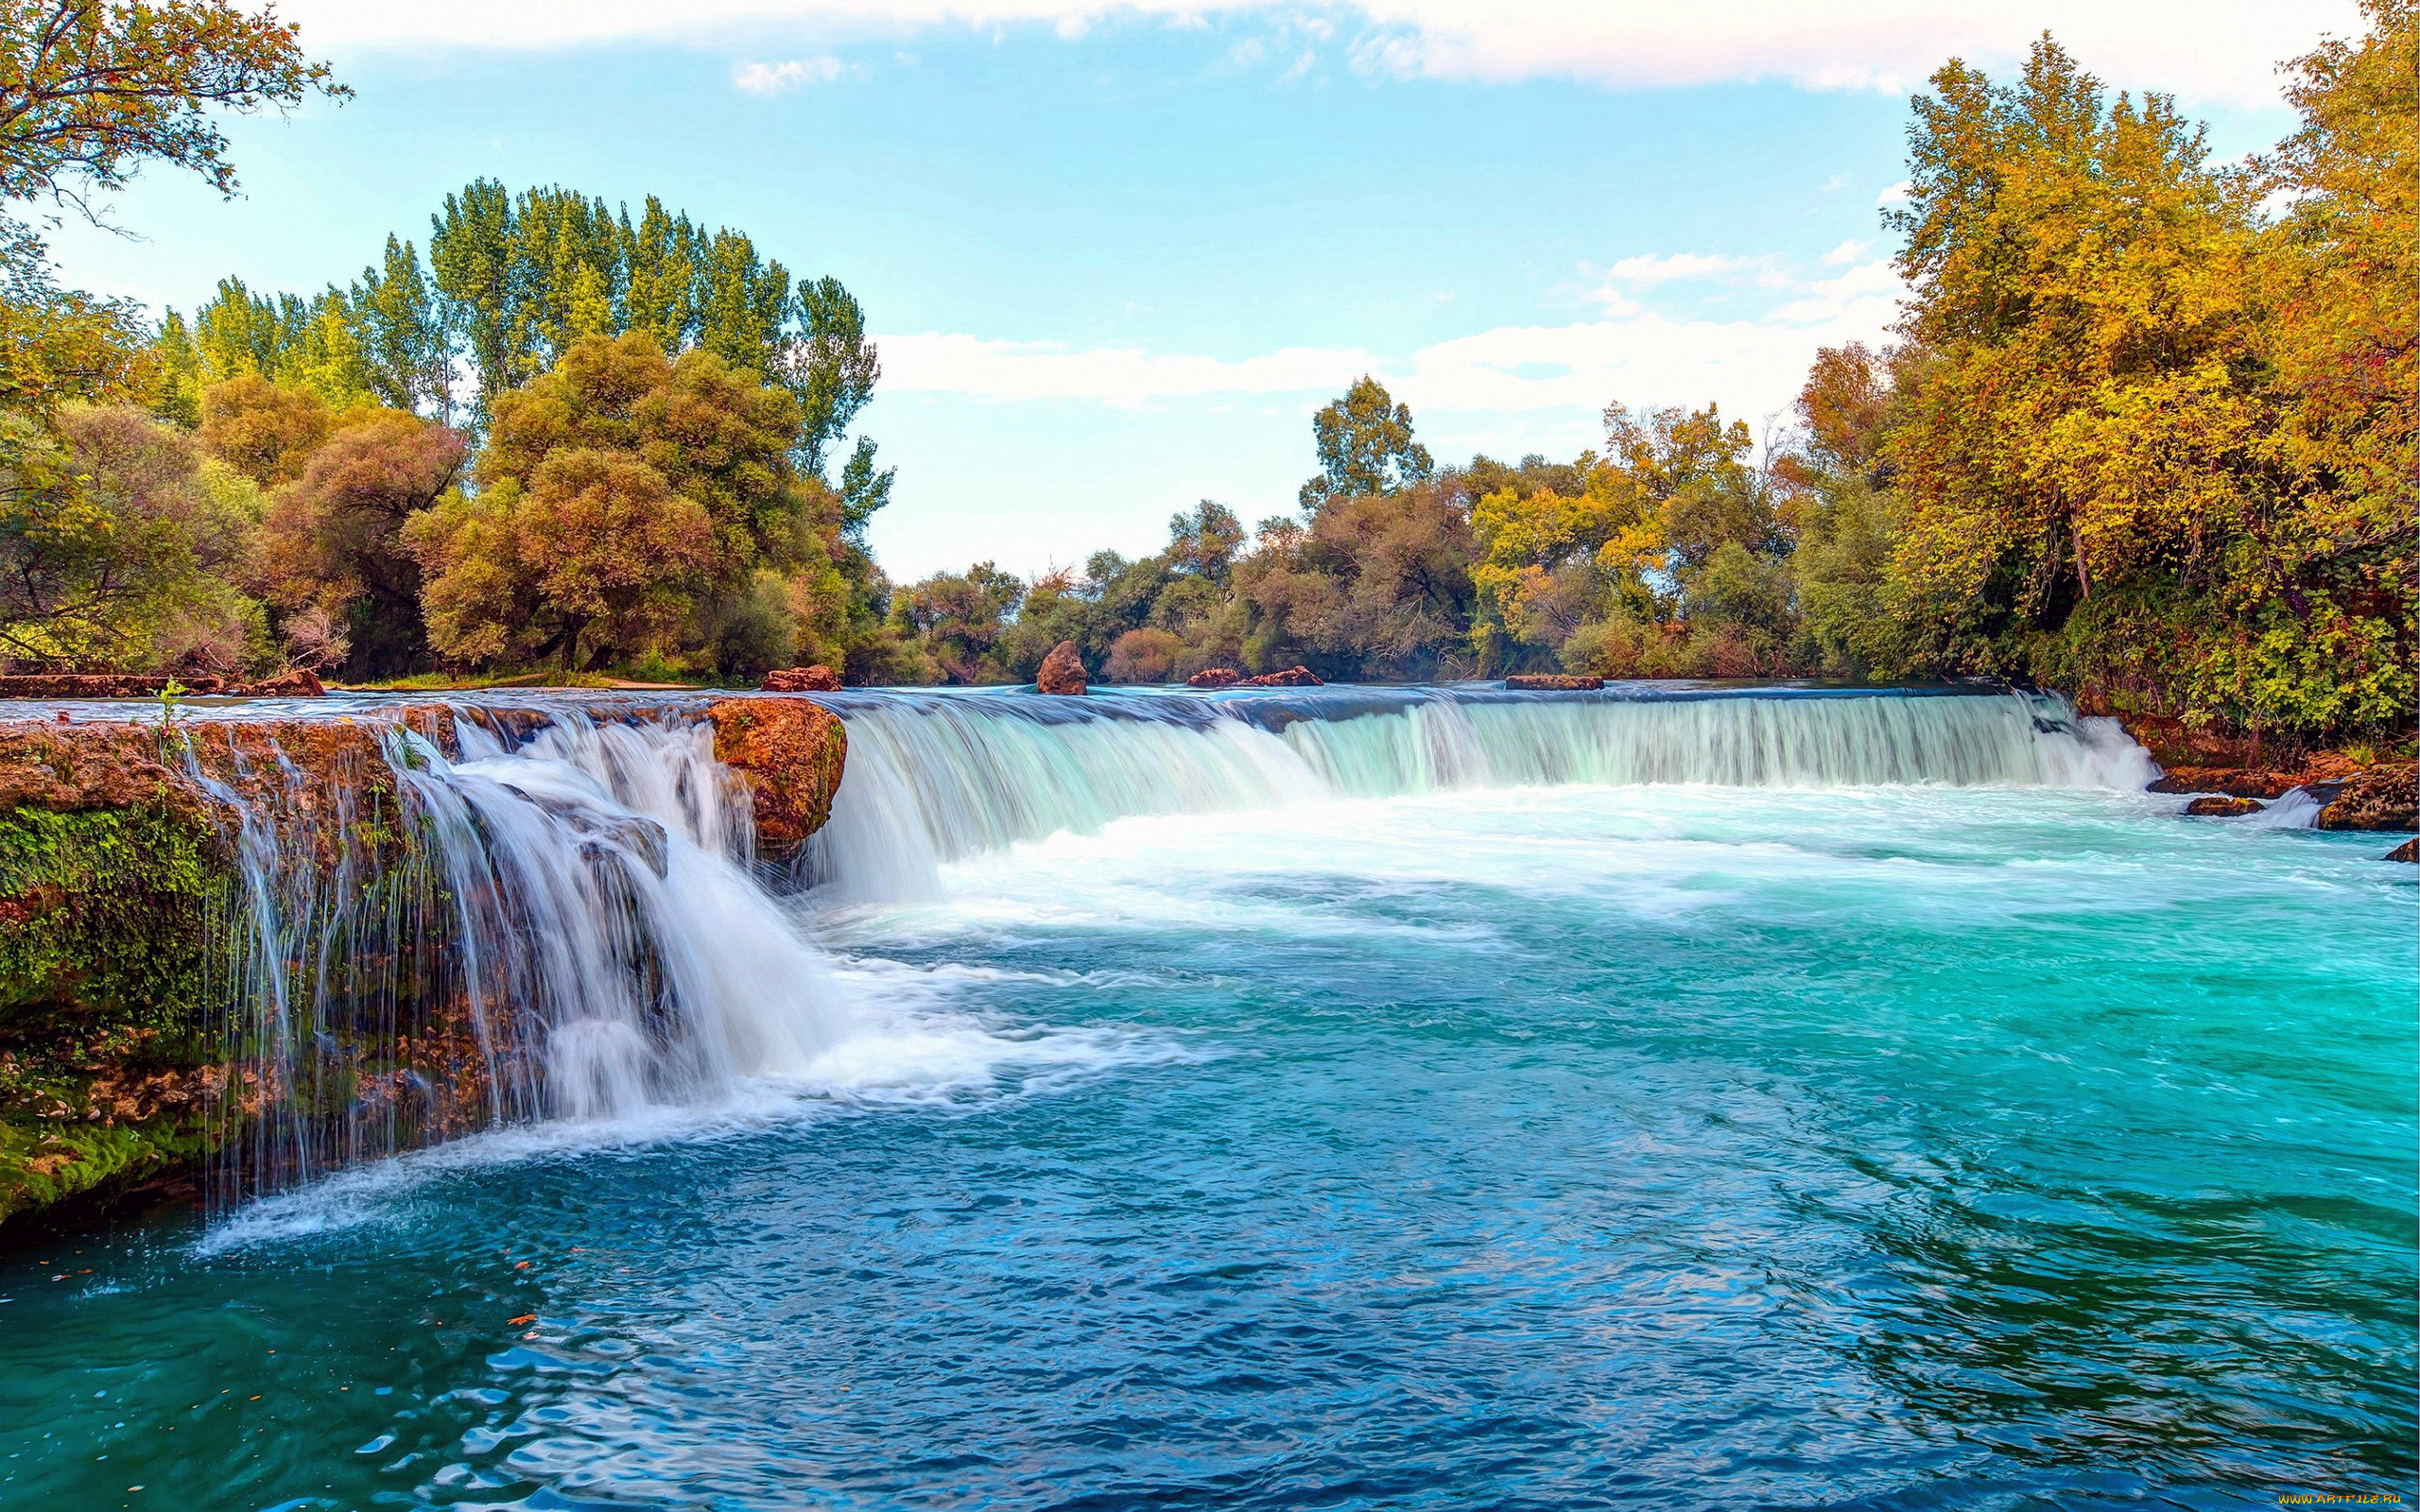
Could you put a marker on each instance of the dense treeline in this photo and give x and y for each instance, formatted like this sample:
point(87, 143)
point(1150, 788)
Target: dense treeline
point(2145, 432)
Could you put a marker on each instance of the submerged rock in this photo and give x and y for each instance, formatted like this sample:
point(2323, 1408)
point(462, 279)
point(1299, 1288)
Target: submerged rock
point(1293, 677)
point(1215, 678)
point(817, 678)
point(2384, 797)
point(1553, 683)
point(1063, 671)
point(790, 753)
point(2223, 808)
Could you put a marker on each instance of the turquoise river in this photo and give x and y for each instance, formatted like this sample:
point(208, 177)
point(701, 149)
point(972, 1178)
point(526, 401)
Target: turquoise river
point(1348, 1099)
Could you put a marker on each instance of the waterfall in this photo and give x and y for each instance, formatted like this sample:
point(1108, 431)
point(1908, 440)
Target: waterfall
point(453, 917)
point(424, 944)
point(935, 778)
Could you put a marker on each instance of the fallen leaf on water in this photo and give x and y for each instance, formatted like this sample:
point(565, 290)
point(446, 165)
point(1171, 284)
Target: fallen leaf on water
point(520, 1265)
point(516, 1322)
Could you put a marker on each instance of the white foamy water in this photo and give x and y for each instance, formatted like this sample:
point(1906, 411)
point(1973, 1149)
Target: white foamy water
point(934, 780)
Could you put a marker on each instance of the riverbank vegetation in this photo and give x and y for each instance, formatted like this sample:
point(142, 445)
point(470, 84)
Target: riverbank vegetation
point(2144, 433)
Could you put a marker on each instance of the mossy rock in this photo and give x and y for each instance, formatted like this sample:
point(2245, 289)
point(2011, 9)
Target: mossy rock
point(111, 873)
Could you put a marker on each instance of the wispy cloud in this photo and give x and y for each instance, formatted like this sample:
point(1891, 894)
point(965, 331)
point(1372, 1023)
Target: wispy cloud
point(795, 73)
point(1677, 267)
point(2224, 50)
point(1751, 366)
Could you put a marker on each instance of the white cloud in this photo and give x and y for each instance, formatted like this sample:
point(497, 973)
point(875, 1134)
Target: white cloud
point(1845, 252)
point(1896, 194)
point(1752, 366)
point(2218, 50)
point(1679, 268)
point(1831, 299)
point(772, 79)
point(936, 362)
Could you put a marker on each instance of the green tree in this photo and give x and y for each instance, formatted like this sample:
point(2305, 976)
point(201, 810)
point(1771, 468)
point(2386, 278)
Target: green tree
point(332, 540)
point(116, 547)
point(1365, 447)
point(89, 93)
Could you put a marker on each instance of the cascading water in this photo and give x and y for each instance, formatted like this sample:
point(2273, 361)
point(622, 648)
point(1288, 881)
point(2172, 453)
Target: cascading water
point(512, 914)
point(937, 778)
point(559, 927)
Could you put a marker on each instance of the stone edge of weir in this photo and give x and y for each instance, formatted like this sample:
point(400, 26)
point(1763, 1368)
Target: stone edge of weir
point(118, 873)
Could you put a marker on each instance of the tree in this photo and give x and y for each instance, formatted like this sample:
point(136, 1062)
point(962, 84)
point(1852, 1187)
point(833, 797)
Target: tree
point(832, 367)
point(863, 491)
point(958, 617)
point(2161, 447)
point(264, 430)
point(1204, 540)
point(90, 92)
point(407, 357)
point(629, 503)
point(118, 547)
point(595, 547)
point(57, 345)
point(333, 540)
point(1365, 447)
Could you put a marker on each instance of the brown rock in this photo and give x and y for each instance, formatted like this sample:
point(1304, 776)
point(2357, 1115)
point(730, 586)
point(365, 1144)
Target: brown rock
point(2384, 797)
point(1293, 677)
point(294, 683)
point(2407, 851)
point(1553, 683)
point(817, 678)
point(1063, 671)
point(92, 684)
point(790, 753)
point(1215, 678)
point(2223, 808)
point(2232, 781)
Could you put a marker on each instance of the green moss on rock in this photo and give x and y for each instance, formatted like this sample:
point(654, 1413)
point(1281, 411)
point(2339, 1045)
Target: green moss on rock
point(110, 872)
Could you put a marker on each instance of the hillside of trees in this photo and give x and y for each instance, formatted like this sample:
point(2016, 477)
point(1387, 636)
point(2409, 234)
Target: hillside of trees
point(2145, 433)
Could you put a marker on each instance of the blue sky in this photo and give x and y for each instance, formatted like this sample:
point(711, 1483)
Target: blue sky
point(1116, 254)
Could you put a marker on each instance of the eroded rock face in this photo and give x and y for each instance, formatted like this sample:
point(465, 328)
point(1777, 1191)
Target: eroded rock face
point(1293, 677)
point(1553, 683)
point(790, 753)
point(1063, 671)
point(2384, 797)
point(298, 682)
point(1215, 678)
point(2222, 808)
point(817, 678)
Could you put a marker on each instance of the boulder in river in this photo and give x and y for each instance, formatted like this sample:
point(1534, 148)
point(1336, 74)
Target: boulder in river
point(2382, 797)
point(1063, 671)
point(1293, 677)
point(2407, 851)
point(1553, 683)
point(2223, 808)
point(1215, 678)
point(790, 751)
point(817, 678)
